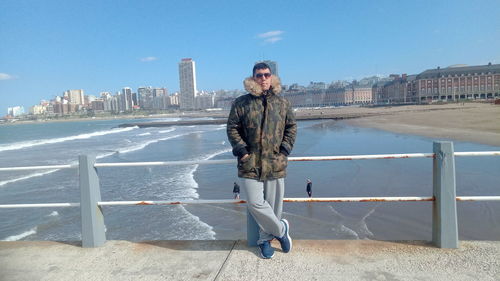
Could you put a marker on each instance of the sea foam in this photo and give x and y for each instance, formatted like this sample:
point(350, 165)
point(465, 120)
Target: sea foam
point(2, 183)
point(21, 236)
point(27, 144)
point(144, 144)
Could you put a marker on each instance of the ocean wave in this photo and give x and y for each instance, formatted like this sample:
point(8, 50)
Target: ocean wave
point(188, 176)
point(188, 180)
point(100, 156)
point(166, 131)
point(143, 145)
point(169, 119)
point(208, 235)
point(185, 185)
point(27, 144)
point(352, 227)
point(39, 174)
point(22, 235)
point(144, 134)
point(218, 152)
point(53, 214)
point(2, 183)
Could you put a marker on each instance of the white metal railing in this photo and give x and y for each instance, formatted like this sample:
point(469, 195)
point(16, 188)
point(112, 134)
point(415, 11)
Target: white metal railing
point(41, 205)
point(26, 168)
point(237, 201)
point(229, 161)
point(90, 191)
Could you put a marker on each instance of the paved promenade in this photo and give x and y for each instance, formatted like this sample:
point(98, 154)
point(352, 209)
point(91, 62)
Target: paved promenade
point(233, 260)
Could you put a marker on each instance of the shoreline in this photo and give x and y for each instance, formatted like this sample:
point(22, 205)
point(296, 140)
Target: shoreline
point(469, 122)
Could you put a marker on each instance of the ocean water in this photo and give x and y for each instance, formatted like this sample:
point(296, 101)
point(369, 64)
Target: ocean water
point(61, 143)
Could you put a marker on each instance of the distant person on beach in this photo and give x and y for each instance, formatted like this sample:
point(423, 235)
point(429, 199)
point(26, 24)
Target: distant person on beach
point(261, 129)
point(236, 191)
point(309, 188)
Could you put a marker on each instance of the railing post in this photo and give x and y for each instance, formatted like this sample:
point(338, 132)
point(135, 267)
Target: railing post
point(93, 230)
point(252, 230)
point(444, 208)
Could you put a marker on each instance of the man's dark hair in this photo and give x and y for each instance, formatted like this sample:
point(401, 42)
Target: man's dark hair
point(260, 65)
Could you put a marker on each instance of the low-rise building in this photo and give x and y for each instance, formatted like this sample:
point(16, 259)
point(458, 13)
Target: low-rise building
point(458, 82)
point(37, 109)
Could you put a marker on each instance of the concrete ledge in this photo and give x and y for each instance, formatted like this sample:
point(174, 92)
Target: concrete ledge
point(233, 260)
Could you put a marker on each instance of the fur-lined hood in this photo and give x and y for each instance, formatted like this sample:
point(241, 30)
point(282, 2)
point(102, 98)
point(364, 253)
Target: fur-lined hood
point(253, 88)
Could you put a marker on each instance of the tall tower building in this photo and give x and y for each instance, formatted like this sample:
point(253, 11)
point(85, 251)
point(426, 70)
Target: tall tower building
point(272, 64)
point(187, 80)
point(127, 101)
point(145, 96)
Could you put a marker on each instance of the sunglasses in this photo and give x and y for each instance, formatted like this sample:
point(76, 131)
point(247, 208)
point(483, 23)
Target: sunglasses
point(260, 75)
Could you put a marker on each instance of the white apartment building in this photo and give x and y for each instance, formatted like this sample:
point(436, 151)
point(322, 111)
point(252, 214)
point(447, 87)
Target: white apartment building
point(38, 109)
point(15, 111)
point(204, 101)
point(126, 99)
point(75, 96)
point(145, 96)
point(187, 80)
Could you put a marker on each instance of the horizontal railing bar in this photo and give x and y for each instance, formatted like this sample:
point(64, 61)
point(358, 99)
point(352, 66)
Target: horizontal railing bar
point(478, 198)
point(230, 161)
point(165, 163)
point(362, 157)
point(39, 167)
point(478, 153)
point(360, 199)
point(160, 202)
point(40, 205)
point(237, 201)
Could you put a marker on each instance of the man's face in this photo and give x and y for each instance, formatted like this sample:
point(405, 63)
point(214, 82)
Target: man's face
point(263, 77)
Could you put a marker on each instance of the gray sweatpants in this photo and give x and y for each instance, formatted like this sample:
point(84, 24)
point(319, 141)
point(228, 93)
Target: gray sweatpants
point(265, 203)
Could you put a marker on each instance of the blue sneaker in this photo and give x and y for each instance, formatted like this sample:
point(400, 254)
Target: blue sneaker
point(266, 251)
point(286, 240)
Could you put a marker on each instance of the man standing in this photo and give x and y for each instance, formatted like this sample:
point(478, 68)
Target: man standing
point(309, 188)
point(236, 191)
point(262, 128)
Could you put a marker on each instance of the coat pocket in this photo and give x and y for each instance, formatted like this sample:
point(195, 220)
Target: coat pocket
point(248, 165)
point(280, 162)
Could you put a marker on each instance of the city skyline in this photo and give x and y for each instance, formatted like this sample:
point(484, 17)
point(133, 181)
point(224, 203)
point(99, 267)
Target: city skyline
point(51, 47)
point(451, 84)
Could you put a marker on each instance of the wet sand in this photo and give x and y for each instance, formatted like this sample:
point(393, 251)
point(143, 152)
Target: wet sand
point(471, 122)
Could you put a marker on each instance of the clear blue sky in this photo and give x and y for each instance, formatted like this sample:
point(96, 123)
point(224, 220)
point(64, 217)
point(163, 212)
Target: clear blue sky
point(47, 47)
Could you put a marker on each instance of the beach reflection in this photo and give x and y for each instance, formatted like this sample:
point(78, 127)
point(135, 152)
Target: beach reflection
point(371, 178)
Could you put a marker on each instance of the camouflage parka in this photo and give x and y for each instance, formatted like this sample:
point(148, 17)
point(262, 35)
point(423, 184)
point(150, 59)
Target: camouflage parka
point(263, 125)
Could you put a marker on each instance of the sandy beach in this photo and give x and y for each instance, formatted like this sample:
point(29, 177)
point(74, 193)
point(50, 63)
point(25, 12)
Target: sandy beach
point(471, 122)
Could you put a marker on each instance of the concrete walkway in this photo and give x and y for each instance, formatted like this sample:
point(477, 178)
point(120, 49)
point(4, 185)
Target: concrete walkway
point(233, 260)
